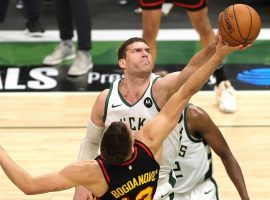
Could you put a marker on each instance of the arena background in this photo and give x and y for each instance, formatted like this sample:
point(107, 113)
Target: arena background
point(21, 55)
point(44, 112)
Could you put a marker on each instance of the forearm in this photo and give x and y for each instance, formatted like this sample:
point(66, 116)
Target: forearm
point(178, 101)
point(90, 143)
point(169, 114)
point(234, 172)
point(202, 56)
point(194, 64)
point(204, 62)
point(200, 77)
point(14, 172)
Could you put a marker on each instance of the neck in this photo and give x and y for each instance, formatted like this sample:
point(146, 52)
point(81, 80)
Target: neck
point(133, 88)
point(130, 155)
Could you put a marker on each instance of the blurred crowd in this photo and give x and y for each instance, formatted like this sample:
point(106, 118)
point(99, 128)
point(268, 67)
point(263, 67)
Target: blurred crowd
point(69, 15)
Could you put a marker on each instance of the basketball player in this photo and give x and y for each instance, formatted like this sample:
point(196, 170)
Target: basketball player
point(193, 166)
point(197, 13)
point(126, 167)
point(135, 100)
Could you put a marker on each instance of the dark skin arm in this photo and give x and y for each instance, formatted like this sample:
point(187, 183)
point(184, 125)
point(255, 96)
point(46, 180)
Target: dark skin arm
point(200, 125)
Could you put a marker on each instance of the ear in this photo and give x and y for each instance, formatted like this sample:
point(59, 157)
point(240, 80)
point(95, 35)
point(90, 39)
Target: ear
point(122, 63)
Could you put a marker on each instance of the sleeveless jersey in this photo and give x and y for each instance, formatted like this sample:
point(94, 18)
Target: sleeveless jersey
point(194, 161)
point(118, 109)
point(133, 179)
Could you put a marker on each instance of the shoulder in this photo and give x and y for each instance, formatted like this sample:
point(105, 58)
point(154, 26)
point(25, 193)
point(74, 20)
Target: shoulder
point(196, 113)
point(144, 147)
point(101, 98)
point(99, 107)
point(197, 120)
point(79, 171)
point(164, 81)
point(103, 95)
point(91, 167)
point(166, 86)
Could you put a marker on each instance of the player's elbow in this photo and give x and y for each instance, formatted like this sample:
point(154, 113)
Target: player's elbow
point(32, 191)
point(28, 187)
point(28, 190)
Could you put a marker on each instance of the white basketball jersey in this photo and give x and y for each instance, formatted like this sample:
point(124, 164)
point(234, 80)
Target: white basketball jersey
point(194, 161)
point(118, 109)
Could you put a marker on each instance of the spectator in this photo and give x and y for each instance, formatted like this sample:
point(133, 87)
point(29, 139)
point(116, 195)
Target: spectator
point(33, 10)
point(67, 12)
point(197, 11)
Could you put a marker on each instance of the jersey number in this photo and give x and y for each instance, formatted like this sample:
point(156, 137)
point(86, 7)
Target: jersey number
point(182, 151)
point(177, 169)
point(145, 194)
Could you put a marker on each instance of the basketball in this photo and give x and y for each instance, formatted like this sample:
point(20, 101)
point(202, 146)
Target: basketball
point(239, 24)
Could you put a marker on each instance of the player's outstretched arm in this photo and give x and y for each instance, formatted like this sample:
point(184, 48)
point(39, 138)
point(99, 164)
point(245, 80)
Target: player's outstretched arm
point(179, 78)
point(155, 132)
point(68, 177)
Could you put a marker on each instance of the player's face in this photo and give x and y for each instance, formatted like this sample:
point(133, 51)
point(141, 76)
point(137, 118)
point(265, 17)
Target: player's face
point(138, 58)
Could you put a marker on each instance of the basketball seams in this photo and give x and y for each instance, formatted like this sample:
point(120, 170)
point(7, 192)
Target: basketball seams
point(254, 16)
point(236, 21)
point(237, 30)
point(225, 30)
point(254, 37)
point(251, 23)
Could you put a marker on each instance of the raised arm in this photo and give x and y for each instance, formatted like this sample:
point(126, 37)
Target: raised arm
point(164, 86)
point(155, 132)
point(72, 175)
point(201, 125)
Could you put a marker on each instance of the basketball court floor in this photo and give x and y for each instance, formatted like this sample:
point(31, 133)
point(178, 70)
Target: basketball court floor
point(44, 112)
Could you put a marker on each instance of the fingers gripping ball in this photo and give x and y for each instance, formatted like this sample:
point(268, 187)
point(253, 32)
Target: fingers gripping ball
point(239, 24)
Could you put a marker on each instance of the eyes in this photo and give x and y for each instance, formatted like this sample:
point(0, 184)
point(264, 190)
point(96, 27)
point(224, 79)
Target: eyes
point(139, 50)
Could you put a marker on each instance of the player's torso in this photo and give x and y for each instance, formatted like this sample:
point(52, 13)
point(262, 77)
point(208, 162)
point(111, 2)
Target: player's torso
point(118, 109)
point(194, 161)
point(134, 179)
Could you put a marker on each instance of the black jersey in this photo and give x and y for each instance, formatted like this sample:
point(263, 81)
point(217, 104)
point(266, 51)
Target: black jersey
point(134, 179)
point(193, 5)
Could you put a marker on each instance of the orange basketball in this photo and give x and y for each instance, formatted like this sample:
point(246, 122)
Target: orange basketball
point(239, 24)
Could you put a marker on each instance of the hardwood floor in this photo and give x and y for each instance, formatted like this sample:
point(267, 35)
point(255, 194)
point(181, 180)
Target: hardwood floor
point(42, 133)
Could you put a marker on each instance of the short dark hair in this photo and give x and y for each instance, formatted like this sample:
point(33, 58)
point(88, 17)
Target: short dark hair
point(116, 143)
point(123, 48)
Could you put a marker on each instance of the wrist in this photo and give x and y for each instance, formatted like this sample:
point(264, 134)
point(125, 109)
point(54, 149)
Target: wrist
point(218, 59)
point(221, 54)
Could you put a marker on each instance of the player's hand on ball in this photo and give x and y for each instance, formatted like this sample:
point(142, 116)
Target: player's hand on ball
point(224, 49)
